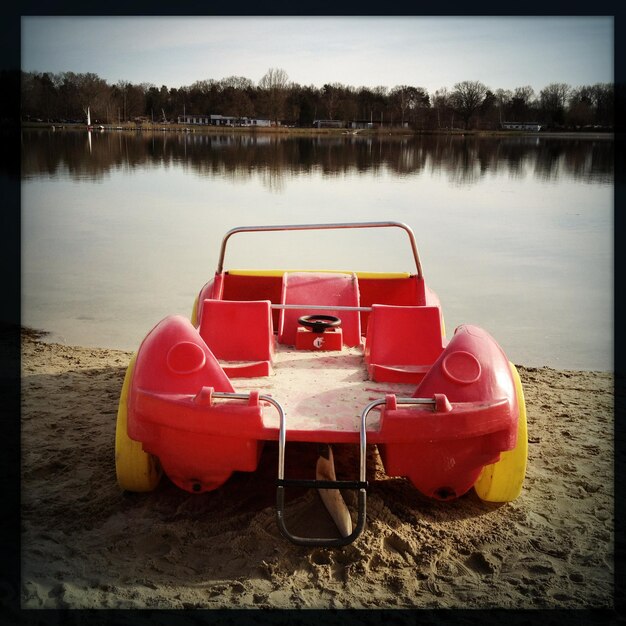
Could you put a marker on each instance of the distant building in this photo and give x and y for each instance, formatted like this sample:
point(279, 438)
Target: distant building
point(221, 120)
point(248, 121)
point(329, 124)
point(203, 120)
point(362, 124)
point(534, 126)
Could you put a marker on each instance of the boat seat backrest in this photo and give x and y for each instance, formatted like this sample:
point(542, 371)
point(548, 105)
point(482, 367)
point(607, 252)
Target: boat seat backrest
point(237, 330)
point(403, 335)
point(320, 288)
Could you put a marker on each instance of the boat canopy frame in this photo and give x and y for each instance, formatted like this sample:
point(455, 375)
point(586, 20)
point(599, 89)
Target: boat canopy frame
point(332, 226)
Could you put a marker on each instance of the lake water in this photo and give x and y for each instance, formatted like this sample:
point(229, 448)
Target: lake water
point(120, 229)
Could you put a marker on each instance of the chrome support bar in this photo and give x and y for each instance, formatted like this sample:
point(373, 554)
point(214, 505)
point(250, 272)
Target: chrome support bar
point(281, 415)
point(321, 307)
point(365, 413)
point(344, 225)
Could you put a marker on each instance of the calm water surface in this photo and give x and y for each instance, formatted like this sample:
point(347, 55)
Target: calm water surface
point(120, 229)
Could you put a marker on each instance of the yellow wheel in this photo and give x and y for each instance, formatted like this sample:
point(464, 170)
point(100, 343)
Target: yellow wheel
point(136, 469)
point(502, 481)
point(194, 311)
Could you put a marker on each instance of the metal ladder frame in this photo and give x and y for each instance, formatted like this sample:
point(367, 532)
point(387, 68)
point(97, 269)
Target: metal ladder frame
point(361, 485)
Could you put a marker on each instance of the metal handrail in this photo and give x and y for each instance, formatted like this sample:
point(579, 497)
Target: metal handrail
point(345, 225)
point(363, 432)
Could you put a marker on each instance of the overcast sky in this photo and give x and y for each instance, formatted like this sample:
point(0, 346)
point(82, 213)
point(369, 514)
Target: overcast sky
point(429, 52)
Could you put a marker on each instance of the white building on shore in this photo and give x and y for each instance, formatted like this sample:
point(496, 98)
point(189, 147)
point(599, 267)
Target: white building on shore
point(222, 120)
point(533, 126)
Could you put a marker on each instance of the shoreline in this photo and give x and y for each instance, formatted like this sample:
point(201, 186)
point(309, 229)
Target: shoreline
point(315, 132)
point(85, 544)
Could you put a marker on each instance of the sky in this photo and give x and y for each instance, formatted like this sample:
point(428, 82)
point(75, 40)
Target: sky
point(429, 52)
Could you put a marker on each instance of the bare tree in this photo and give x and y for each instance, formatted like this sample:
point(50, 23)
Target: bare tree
point(93, 93)
point(521, 103)
point(553, 99)
point(136, 102)
point(274, 86)
point(488, 111)
point(442, 103)
point(467, 98)
point(591, 104)
point(237, 82)
point(604, 103)
point(407, 100)
point(524, 94)
point(503, 99)
point(235, 96)
point(202, 97)
point(380, 103)
point(331, 95)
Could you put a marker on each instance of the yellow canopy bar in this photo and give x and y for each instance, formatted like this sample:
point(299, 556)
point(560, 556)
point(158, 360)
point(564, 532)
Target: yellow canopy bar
point(372, 275)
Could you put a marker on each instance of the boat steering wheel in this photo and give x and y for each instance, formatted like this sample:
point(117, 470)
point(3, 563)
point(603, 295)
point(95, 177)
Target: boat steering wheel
point(319, 323)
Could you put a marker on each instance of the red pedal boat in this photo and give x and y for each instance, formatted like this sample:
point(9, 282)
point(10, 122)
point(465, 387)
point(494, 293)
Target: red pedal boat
point(328, 357)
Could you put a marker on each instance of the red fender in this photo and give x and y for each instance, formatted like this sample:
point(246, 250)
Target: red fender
point(474, 372)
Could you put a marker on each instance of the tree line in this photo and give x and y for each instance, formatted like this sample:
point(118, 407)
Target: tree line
point(468, 104)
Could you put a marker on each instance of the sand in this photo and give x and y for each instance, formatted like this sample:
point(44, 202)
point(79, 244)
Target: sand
point(85, 544)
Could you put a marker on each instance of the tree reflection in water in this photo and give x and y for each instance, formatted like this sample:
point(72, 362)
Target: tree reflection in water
point(272, 158)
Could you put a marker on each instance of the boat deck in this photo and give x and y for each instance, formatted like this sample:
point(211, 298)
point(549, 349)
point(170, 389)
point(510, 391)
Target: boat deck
point(321, 392)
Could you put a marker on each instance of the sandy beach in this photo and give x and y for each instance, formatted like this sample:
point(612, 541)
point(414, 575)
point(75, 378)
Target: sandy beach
point(85, 544)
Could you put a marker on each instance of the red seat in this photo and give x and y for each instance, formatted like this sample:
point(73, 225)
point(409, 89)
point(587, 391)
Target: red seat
point(402, 342)
point(320, 288)
point(240, 331)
